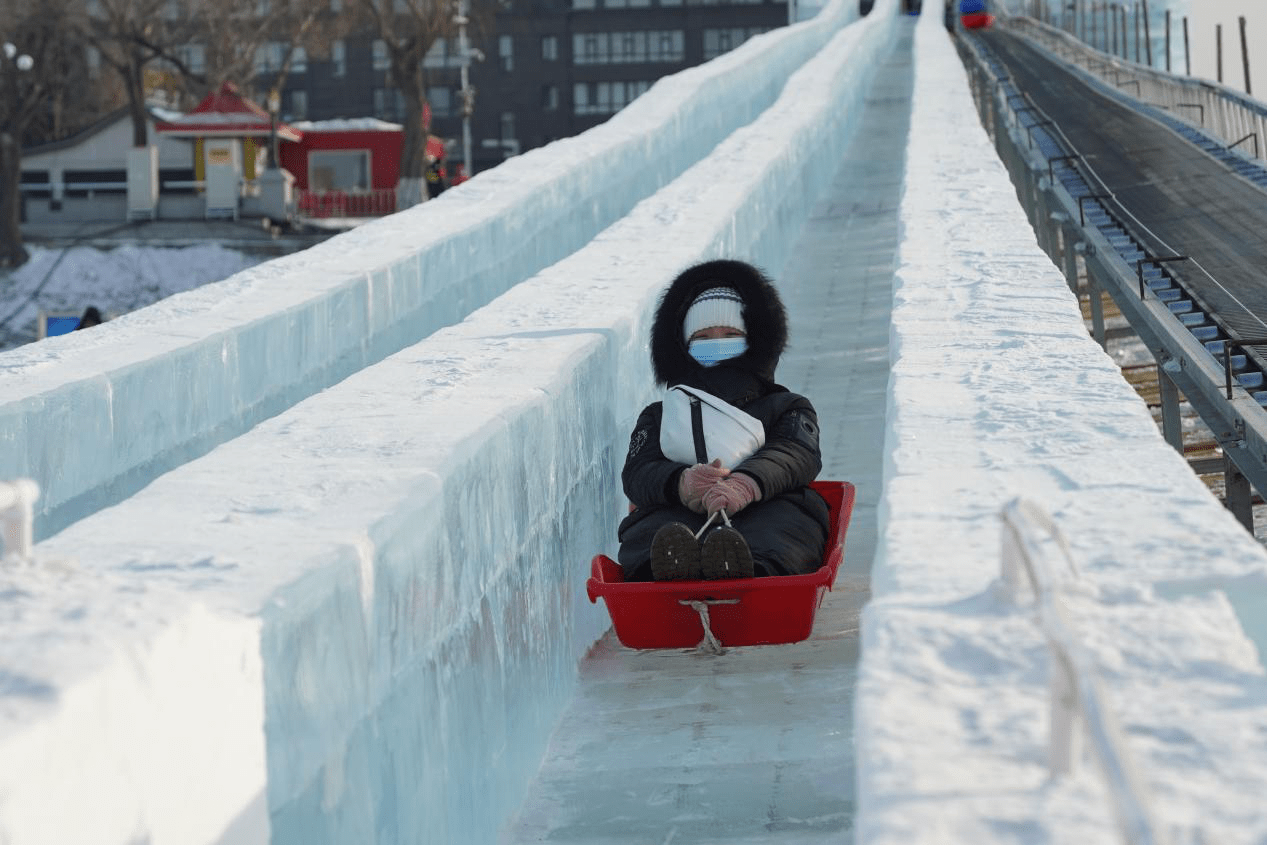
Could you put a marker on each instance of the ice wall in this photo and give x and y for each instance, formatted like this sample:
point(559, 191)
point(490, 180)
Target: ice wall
point(93, 417)
point(998, 392)
point(404, 553)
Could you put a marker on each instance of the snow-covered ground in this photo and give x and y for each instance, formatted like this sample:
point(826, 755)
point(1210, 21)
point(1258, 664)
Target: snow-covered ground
point(115, 281)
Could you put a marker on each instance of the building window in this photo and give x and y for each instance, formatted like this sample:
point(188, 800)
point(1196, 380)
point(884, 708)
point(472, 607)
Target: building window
point(615, 4)
point(389, 104)
point(382, 59)
point(600, 48)
point(338, 59)
point(506, 52)
point(441, 99)
point(268, 57)
point(194, 56)
point(85, 183)
point(668, 46)
point(605, 97)
point(582, 4)
point(508, 126)
point(339, 170)
point(436, 54)
point(550, 48)
point(298, 60)
point(298, 105)
point(550, 98)
point(718, 41)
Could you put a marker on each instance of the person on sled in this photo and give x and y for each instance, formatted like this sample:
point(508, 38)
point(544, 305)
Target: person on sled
point(719, 471)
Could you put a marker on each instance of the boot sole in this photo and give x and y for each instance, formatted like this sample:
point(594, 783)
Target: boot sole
point(675, 554)
point(725, 554)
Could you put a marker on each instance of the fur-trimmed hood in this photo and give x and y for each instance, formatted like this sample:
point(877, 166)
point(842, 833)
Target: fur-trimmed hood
point(763, 315)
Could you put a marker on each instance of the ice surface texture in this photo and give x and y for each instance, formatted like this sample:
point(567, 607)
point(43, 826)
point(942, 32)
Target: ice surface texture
point(409, 546)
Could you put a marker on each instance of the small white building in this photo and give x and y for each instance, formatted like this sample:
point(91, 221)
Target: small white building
point(84, 177)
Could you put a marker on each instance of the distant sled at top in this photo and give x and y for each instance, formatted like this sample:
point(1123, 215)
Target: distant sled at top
point(733, 612)
point(973, 15)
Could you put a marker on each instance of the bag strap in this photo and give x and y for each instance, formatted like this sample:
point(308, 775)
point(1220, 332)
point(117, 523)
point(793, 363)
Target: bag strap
point(697, 429)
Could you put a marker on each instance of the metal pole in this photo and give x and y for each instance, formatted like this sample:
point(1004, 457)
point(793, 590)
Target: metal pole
point(1218, 49)
point(468, 99)
point(1245, 57)
point(1148, 37)
point(1167, 41)
point(1187, 54)
point(1135, 9)
point(274, 106)
point(1126, 53)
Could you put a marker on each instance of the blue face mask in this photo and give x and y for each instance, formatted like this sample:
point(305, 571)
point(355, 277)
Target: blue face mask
point(715, 350)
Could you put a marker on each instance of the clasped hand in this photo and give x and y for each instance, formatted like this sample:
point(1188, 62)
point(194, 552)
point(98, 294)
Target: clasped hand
point(708, 488)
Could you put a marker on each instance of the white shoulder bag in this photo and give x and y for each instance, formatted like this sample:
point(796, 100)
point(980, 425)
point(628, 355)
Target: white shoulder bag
point(697, 428)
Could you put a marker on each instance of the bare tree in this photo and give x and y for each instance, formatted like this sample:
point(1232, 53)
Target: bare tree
point(35, 53)
point(198, 44)
point(129, 35)
point(254, 43)
point(408, 29)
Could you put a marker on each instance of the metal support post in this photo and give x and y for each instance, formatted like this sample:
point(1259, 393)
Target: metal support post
point(1095, 298)
point(1238, 496)
point(1171, 421)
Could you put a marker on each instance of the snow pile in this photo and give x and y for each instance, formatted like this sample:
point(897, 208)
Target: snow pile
point(997, 392)
point(116, 281)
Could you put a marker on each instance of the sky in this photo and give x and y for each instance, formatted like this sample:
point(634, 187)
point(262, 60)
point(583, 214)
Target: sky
point(1204, 17)
point(997, 391)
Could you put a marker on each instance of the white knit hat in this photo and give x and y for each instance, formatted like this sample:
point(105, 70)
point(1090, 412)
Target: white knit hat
point(714, 307)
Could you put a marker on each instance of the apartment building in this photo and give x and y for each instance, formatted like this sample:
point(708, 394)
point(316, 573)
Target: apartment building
point(549, 69)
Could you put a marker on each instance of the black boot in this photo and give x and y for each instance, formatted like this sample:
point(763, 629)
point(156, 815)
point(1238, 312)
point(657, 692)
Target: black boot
point(725, 554)
point(675, 553)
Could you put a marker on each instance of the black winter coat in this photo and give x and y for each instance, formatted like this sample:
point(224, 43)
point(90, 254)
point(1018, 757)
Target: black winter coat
point(787, 528)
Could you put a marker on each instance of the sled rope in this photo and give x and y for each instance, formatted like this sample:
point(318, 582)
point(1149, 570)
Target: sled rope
point(710, 644)
point(709, 522)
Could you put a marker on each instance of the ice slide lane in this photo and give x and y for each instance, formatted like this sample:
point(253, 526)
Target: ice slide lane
point(757, 745)
point(385, 611)
point(93, 417)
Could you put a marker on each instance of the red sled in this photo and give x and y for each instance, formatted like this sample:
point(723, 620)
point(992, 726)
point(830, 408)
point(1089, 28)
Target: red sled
point(716, 614)
point(977, 20)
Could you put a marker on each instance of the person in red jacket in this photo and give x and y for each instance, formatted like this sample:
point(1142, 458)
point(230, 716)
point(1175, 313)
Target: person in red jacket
point(729, 454)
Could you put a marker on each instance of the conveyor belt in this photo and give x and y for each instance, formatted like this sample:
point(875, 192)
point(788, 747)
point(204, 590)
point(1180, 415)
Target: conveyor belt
point(1183, 195)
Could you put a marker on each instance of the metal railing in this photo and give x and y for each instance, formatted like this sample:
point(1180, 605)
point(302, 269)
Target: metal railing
point(322, 204)
point(1187, 353)
point(1078, 705)
point(1227, 115)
